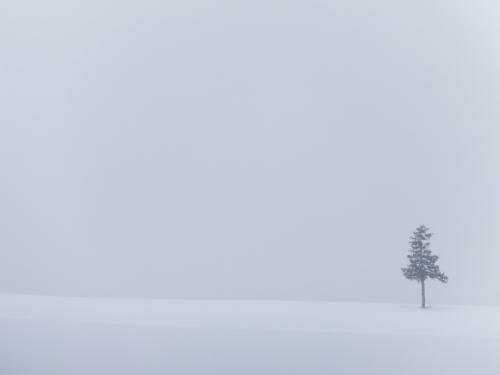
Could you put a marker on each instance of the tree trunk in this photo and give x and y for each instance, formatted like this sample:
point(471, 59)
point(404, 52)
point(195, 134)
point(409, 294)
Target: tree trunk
point(422, 284)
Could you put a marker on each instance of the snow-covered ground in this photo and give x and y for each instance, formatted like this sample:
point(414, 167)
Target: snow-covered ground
point(56, 335)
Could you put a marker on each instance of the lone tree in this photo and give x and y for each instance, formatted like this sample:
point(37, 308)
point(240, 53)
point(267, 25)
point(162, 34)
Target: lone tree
point(422, 262)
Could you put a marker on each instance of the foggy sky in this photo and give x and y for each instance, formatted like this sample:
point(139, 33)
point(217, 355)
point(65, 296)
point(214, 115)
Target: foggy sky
point(248, 149)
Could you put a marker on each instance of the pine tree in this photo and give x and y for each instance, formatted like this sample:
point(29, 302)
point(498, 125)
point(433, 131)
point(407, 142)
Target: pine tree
point(422, 262)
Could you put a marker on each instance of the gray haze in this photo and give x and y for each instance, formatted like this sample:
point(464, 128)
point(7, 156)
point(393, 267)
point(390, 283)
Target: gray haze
point(248, 149)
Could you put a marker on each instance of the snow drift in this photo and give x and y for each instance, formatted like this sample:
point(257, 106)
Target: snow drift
point(61, 335)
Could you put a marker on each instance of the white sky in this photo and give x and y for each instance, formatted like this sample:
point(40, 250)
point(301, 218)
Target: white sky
point(248, 149)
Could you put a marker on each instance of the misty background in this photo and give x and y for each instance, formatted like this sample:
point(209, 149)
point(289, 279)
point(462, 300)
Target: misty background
point(263, 149)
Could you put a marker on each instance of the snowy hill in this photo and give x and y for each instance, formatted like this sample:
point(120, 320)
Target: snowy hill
point(59, 335)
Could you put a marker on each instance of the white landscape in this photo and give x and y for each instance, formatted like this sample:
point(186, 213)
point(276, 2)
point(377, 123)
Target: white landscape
point(62, 335)
point(193, 187)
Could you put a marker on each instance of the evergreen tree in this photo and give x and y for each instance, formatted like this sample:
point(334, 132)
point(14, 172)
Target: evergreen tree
point(422, 262)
